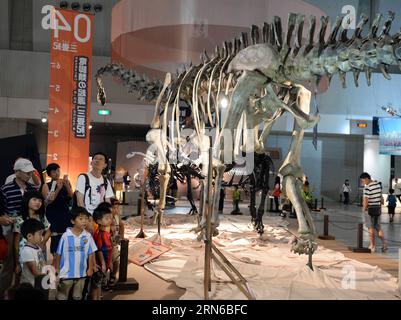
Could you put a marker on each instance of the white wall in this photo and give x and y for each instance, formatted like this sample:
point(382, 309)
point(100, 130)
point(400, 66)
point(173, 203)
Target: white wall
point(337, 158)
point(377, 165)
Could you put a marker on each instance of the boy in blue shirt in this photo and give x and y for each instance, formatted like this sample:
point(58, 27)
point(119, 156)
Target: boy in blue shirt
point(74, 256)
point(392, 203)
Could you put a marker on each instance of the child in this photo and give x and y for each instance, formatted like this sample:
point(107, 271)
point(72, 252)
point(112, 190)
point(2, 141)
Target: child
point(32, 258)
point(74, 256)
point(117, 233)
point(103, 217)
point(236, 200)
point(277, 193)
point(32, 208)
point(392, 203)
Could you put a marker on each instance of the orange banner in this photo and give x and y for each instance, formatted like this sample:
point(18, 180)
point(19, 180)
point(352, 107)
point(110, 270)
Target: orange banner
point(70, 91)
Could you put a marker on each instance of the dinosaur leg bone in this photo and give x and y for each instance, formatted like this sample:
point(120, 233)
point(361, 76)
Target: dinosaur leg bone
point(292, 172)
point(164, 171)
point(304, 120)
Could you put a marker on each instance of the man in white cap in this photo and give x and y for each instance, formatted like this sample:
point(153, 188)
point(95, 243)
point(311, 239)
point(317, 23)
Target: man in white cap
point(35, 179)
point(10, 205)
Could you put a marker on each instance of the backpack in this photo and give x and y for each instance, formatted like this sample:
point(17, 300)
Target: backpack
point(88, 187)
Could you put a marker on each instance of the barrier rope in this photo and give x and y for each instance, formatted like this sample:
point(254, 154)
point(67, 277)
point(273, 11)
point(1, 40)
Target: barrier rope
point(356, 228)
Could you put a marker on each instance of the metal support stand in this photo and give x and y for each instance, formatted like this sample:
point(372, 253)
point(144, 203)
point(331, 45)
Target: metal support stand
point(139, 206)
point(123, 283)
point(158, 238)
point(211, 252)
point(360, 248)
point(326, 235)
point(141, 233)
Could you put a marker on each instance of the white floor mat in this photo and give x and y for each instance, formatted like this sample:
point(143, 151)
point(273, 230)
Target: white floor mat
point(273, 272)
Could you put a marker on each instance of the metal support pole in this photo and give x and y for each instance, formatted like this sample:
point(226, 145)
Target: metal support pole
point(159, 218)
point(141, 233)
point(139, 206)
point(360, 248)
point(224, 264)
point(326, 235)
point(208, 236)
point(271, 204)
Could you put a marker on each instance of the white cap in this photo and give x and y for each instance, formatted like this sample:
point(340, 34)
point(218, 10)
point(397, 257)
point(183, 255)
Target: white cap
point(24, 165)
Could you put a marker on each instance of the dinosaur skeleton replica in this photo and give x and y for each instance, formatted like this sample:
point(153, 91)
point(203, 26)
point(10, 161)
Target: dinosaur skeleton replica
point(262, 79)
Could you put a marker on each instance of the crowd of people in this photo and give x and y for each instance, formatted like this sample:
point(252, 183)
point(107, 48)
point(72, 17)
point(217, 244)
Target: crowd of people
point(84, 229)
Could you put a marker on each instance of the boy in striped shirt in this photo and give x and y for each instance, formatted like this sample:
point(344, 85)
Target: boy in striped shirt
point(372, 202)
point(74, 256)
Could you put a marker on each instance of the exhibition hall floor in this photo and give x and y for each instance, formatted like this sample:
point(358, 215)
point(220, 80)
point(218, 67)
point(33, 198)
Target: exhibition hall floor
point(272, 270)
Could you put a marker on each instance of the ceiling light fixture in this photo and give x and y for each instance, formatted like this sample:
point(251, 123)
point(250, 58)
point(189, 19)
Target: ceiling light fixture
point(63, 4)
point(86, 7)
point(98, 7)
point(75, 6)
